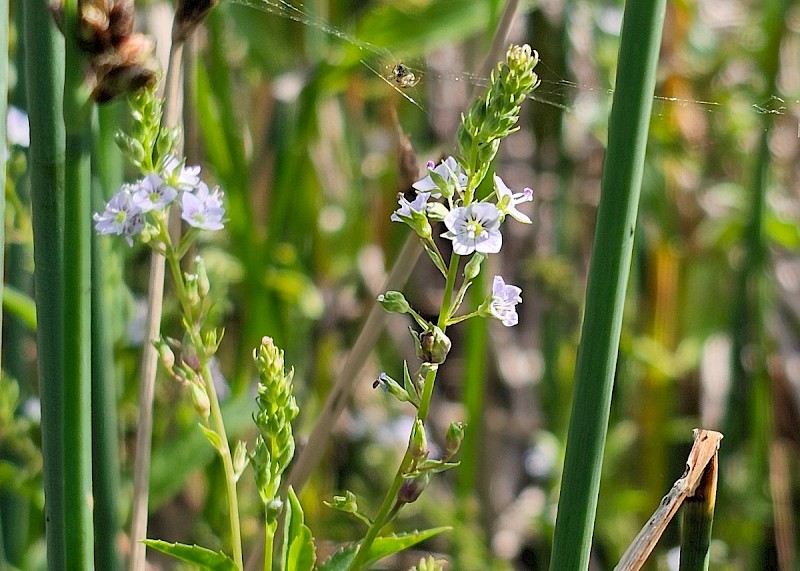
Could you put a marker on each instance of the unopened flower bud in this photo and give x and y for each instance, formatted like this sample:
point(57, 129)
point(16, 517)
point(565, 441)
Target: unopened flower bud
point(274, 509)
point(473, 267)
point(433, 346)
point(394, 302)
point(454, 438)
point(419, 442)
point(166, 355)
point(203, 285)
point(192, 292)
point(240, 458)
point(411, 488)
point(200, 400)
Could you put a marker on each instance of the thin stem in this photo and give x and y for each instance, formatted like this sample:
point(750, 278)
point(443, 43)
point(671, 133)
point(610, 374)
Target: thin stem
point(155, 288)
point(227, 464)
point(387, 511)
point(269, 543)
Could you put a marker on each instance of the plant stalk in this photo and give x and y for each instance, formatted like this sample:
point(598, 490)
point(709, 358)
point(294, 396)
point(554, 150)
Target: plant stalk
point(608, 276)
point(45, 80)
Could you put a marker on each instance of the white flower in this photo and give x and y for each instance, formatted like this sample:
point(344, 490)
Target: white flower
point(179, 176)
point(18, 131)
point(507, 200)
point(504, 301)
point(121, 216)
point(447, 169)
point(152, 194)
point(203, 209)
point(408, 209)
point(474, 228)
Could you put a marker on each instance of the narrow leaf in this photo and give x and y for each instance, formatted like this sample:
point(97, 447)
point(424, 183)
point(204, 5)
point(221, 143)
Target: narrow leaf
point(298, 546)
point(200, 556)
point(382, 547)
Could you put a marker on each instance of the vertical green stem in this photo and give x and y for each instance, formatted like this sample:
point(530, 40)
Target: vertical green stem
point(77, 309)
point(45, 80)
point(425, 402)
point(608, 275)
point(105, 466)
point(698, 517)
point(474, 390)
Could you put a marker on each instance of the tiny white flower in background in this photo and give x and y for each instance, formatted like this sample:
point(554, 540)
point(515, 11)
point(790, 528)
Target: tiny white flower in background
point(407, 208)
point(446, 169)
point(474, 228)
point(504, 301)
point(18, 131)
point(152, 194)
point(507, 200)
point(203, 209)
point(179, 176)
point(121, 216)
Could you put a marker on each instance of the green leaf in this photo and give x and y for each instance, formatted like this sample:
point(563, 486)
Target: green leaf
point(383, 547)
point(298, 545)
point(212, 436)
point(200, 556)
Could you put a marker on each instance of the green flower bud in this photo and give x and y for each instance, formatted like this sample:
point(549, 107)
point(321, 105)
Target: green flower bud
point(454, 438)
point(166, 355)
point(200, 400)
point(240, 458)
point(419, 442)
point(394, 302)
point(274, 508)
point(436, 211)
point(192, 293)
point(433, 346)
point(203, 285)
point(473, 267)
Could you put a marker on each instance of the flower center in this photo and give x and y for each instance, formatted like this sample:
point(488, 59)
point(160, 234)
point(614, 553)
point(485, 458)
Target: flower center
point(475, 229)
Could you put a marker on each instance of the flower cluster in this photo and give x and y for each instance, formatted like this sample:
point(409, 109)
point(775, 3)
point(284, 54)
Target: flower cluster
point(126, 211)
point(473, 227)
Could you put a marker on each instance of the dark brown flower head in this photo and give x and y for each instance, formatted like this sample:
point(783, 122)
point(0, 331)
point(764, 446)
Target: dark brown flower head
point(125, 70)
point(188, 15)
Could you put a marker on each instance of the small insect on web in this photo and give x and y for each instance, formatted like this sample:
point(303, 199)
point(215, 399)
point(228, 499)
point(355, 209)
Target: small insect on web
point(402, 76)
point(399, 78)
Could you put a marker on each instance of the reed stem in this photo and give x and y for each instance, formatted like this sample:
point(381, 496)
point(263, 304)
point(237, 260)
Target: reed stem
point(608, 276)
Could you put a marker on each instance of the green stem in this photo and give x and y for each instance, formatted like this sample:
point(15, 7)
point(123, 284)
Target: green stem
point(608, 276)
point(698, 517)
point(269, 545)
point(45, 80)
point(385, 513)
point(217, 423)
point(105, 465)
point(227, 464)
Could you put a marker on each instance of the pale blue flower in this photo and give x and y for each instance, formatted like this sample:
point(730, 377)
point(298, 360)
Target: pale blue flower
point(121, 216)
point(408, 209)
point(18, 131)
point(203, 209)
point(504, 301)
point(447, 169)
point(474, 228)
point(507, 200)
point(152, 194)
point(179, 176)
